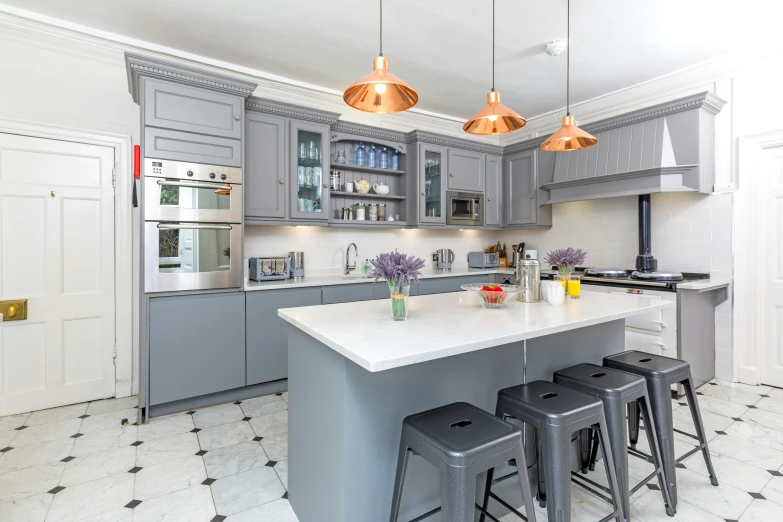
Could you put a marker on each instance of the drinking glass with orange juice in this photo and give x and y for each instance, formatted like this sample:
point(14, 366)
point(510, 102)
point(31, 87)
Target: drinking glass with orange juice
point(574, 286)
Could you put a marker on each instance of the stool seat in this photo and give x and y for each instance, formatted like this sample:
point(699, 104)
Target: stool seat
point(649, 366)
point(461, 429)
point(600, 381)
point(550, 403)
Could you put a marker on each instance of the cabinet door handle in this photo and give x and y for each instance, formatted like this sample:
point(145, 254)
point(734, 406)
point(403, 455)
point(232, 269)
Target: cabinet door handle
point(422, 194)
point(326, 185)
point(237, 117)
point(451, 174)
point(281, 181)
point(489, 199)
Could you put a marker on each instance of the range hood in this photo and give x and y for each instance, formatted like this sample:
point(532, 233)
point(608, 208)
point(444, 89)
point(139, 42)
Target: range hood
point(665, 148)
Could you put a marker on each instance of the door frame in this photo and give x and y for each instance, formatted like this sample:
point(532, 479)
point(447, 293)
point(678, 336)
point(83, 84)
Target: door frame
point(748, 287)
point(125, 339)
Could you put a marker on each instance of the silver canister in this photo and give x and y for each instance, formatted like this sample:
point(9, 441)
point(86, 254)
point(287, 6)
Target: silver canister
point(381, 211)
point(296, 264)
point(373, 212)
point(528, 277)
point(516, 257)
point(335, 180)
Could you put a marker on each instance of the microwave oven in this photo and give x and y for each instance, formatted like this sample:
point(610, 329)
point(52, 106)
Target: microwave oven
point(464, 208)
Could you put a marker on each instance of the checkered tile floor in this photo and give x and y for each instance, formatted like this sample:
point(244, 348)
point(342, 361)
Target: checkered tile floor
point(86, 463)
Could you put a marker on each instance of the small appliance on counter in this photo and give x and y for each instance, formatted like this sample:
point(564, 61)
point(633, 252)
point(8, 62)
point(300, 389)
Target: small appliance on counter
point(483, 259)
point(268, 268)
point(528, 277)
point(296, 264)
point(530, 254)
point(443, 258)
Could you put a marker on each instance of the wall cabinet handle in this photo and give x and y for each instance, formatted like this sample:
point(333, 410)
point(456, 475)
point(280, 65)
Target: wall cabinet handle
point(422, 194)
point(489, 199)
point(237, 117)
point(451, 174)
point(281, 181)
point(326, 185)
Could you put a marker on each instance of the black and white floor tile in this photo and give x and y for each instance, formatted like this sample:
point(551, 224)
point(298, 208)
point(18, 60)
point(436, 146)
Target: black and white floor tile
point(83, 463)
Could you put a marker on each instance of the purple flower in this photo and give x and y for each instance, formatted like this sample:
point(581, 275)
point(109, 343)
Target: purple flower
point(398, 268)
point(566, 259)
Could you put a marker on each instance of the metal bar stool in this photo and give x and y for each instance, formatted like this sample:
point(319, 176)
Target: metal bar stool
point(661, 373)
point(616, 389)
point(556, 412)
point(461, 441)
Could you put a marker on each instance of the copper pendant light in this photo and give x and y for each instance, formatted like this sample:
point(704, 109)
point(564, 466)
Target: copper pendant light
point(569, 136)
point(494, 117)
point(381, 91)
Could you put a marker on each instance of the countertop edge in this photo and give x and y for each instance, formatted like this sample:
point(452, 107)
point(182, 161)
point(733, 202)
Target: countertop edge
point(707, 284)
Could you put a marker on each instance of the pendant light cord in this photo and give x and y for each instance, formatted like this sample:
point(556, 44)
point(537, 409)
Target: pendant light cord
point(568, 60)
point(381, 53)
point(493, 45)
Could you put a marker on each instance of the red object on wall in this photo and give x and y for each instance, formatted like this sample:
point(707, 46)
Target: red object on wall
point(136, 161)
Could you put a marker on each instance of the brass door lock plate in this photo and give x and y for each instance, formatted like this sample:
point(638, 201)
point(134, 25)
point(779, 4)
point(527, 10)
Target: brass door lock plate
point(14, 310)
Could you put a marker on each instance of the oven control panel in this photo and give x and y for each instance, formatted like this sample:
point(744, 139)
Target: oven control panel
point(169, 169)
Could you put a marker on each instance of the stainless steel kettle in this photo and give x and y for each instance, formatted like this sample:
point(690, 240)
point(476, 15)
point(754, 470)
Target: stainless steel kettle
point(528, 276)
point(444, 257)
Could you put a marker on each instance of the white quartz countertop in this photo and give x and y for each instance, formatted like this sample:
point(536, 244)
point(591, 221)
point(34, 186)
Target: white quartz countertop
point(449, 324)
point(703, 285)
point(327, 280)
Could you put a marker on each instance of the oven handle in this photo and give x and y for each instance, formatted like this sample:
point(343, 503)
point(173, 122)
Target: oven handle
point(193, 226)
point(194, 184)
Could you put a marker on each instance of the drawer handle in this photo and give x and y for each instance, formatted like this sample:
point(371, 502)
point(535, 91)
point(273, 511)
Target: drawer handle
point(663, 346)
point(662, 323)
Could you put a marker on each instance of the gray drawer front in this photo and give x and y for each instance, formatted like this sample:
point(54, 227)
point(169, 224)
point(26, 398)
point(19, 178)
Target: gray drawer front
point(186, 146)
point(347, 293)
point(441, 285)
point(267, 334)
point(197, 345)
point(180, 107)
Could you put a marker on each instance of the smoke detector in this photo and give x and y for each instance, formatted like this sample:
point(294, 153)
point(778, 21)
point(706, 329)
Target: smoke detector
point(556, 47)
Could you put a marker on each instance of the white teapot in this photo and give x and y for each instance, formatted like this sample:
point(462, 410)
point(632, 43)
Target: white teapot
point(362, 186)
point(380, 188)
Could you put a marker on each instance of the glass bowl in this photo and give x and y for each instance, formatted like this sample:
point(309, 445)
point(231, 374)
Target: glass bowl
point(492, 298)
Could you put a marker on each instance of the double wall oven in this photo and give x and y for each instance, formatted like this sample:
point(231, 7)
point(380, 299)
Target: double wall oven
point(192, 226)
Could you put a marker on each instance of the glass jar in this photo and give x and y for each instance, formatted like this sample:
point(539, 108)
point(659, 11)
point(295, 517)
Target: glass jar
point(372, 157)
point(360, 210)
point(381, 211)
point(384, 159)
point(340, 157)
point(395, 160)
point(361, 155)
point(399, 299)
point(373, 212)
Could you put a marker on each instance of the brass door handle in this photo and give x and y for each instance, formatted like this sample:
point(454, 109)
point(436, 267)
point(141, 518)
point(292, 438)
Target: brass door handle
point(14, 310)
point(11, 311)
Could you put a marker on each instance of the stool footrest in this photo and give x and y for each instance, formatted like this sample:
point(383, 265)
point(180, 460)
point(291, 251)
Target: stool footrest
point(691, 435)
point(691, 452)
point(505, 505)
point(644, 481)
point(576, 478)
point(426, 515)
point(641, 455)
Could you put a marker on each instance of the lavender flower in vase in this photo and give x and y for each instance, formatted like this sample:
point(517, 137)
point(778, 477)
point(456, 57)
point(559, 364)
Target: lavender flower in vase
point(398, 270)
point(566, 259)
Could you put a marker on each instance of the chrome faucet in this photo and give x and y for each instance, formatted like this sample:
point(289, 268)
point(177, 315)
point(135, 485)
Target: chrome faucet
point(351, 266)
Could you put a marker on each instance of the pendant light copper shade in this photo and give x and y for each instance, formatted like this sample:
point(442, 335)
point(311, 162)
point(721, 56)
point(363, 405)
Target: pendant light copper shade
point(569, 136)
point(380, 91)
point(494, 117)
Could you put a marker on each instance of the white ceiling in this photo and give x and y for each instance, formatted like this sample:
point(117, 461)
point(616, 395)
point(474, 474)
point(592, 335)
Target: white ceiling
point(443, 47)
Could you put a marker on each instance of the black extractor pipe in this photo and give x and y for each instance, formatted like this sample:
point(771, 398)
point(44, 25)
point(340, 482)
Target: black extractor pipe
point(645, 262)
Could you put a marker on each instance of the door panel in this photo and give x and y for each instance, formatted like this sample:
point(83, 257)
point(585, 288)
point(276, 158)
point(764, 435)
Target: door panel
point(186, 146)
point(466, 170)
point(56, 251)
point(770, 200)
point(309, 149)
point(432, 189)
point(265, 172)
point(520, 204)
point(493, 192)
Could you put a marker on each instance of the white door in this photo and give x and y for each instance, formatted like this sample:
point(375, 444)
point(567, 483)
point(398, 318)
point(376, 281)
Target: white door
point(770, 202)
point(56, 251)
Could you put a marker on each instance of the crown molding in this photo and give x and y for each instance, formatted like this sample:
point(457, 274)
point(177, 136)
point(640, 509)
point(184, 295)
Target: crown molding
point(291, 111)
point(422, 136)
point(368, 131)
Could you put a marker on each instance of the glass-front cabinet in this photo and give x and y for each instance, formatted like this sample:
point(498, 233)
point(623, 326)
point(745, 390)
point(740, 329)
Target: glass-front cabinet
point(432, 189)
point(309, 161)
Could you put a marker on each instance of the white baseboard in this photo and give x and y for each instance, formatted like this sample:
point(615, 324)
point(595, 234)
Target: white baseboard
point(748, 375)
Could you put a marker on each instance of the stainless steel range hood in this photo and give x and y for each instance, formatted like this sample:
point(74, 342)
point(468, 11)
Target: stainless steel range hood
point(665, 148)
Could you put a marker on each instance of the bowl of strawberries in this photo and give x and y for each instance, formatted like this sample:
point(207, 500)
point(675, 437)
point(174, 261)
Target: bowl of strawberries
point(492, 296)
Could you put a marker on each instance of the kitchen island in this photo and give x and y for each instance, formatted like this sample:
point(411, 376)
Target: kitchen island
point(354, 374)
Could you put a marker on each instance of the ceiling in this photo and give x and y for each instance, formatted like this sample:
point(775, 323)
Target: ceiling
point(443, 47)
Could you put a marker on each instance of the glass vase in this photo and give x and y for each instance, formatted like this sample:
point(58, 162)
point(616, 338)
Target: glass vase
point(399, 299)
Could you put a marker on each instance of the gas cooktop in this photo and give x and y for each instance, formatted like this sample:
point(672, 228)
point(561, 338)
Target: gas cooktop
point(631, 278)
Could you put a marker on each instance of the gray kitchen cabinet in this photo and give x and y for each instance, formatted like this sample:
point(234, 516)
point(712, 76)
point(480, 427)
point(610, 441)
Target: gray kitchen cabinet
point(466, 170)
point(493, 191)
point(347, 293)
point(267, 334)
point(190, 147)
point(310, 160)
point(441, 285)
point(521, 190)
point(265, 178)
point(432, 166)
point(196, 345)
point(186, 108)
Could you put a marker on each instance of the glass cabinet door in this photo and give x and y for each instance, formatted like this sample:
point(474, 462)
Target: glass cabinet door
point(432, 164)
point(310, 199)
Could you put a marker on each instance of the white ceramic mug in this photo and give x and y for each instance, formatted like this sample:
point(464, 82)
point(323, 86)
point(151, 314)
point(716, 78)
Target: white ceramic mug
point(556, 295)
point(349, 187)
point(300, 174)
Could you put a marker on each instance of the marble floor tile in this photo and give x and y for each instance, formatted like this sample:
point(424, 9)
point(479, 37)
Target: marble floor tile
point(764, 418)
point(271, 424)
point(721, 407)
point(732, 472)
point(246, 490)
point(122, 514)
point(276, 446)
point(281, 468)
point(47, 432)
point(108, 420)
point(165, 450)
point(732, 395)
point(101, 441)
point(712, 421)
point(225, 435)
point(30, 481)
point(169, 477)
point(724, 501)
point(277, 511)
point(762, 511)
point(92, 498)
point(649, 508)
point(760, 389)
point(30, 509)
point(107, 405)
point(98, 466)
point(217, 415)
point(263, 405)
point(11, 422)
point(162, 427)
point(758, 434)
point(284, 396)
point(56, 414)
point(238, 458)
point(777, 393)
point(189, 505)
point(747, 451)
point(687, 426)
point(6, 436)
point(35, 455)
point(774, 490)
point(771, 404)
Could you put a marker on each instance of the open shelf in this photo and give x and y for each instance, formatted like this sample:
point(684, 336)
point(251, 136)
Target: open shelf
point(369, 170)
point(369, 196)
